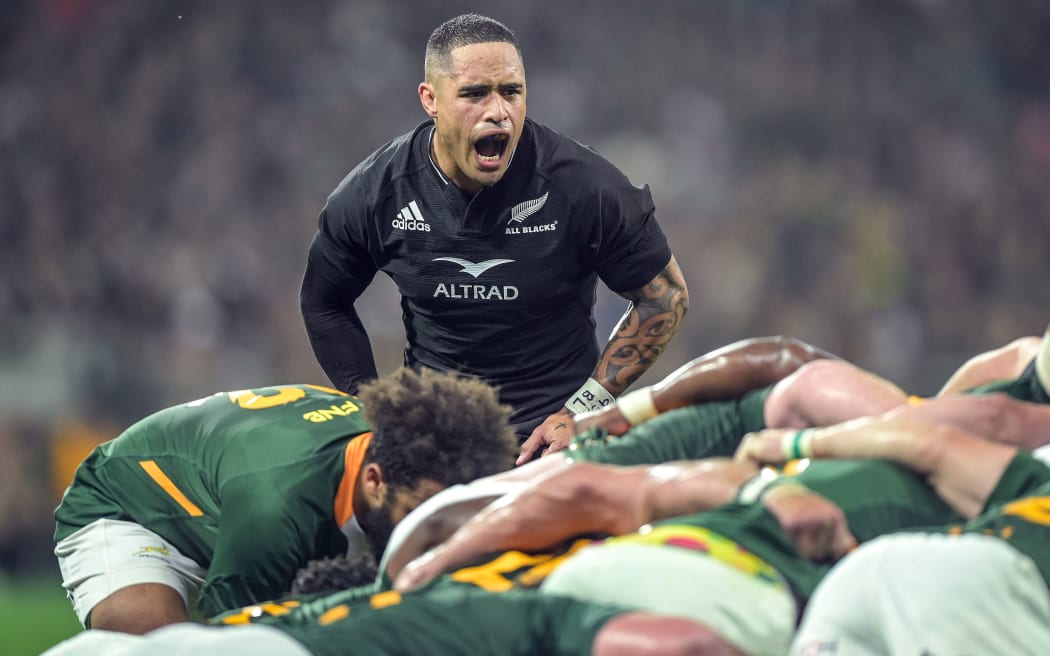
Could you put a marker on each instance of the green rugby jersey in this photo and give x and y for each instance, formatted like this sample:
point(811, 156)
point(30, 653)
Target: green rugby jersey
point(486, 609)
point(251, 484)
point(1025, 387)
point(1018, 511)
point(451, 621)
point(877, 497)
point(698, 431)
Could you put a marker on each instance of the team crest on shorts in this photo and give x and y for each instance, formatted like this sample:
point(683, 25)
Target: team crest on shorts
point(819, 648)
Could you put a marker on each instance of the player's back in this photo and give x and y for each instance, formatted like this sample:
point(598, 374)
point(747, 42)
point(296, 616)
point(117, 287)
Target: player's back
point(168, 471)
point(230, 433)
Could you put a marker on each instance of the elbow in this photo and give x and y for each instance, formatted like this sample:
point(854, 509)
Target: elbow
point(790, 354)
point(305, 303)
point(778, 357)
point(308, 295)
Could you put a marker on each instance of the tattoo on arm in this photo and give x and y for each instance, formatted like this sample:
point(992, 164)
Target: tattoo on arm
point(656, 311)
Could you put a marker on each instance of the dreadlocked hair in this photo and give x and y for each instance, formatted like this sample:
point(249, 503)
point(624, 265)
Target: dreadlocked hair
point(442, 426)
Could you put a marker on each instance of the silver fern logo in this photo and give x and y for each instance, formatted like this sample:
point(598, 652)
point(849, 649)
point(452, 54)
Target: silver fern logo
point(522, 211)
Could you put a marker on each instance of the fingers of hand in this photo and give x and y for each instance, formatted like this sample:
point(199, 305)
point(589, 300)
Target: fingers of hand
point(743, 451)
point(761, 448)
point(825, 537)
point(528, 447)
point(845, 542)
point(554, 447)
point(813, 539)
point(417, 573)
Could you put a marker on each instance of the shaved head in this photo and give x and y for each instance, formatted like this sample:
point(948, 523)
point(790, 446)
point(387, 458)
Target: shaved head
point(460, 31)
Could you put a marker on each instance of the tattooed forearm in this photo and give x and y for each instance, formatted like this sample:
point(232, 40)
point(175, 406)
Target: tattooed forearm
point(654, 315)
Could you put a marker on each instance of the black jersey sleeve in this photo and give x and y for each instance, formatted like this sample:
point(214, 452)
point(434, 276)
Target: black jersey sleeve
point(633, 249)
point(334, 329)
point(338, 269)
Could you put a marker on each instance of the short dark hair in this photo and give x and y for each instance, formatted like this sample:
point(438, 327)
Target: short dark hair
point(442, 426)
point(460, 31)
point(336, 573)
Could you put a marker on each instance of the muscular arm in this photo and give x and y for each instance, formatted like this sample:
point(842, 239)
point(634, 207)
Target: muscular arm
point(995, 417)
point(582, 498)
point(654, 314)
point(998, 364)
point(962, 467)
point(827, 392)
point(336, 333)
point(725, 373)
point(437, 518)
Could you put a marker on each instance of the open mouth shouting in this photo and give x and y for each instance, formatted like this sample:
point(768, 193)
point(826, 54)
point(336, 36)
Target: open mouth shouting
point(490, 150)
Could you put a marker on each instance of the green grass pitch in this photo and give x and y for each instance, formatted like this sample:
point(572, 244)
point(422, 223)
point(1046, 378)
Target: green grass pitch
point(34, 614)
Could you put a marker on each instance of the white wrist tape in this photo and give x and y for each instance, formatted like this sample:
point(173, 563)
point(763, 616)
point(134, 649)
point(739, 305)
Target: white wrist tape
point(590, 396)
point(1042, 363)
point(755, 487)
point(637, 407)
point(798, 444)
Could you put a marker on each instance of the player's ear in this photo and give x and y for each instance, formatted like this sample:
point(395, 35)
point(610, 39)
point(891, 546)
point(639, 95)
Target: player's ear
point(428, 99)
point(372, 484)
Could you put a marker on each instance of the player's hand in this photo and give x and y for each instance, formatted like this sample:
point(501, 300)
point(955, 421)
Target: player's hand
point(422, 570)
point(610, 418)
point(816, 526)
point(762, 447)
point(472, 540)
point(551, 436)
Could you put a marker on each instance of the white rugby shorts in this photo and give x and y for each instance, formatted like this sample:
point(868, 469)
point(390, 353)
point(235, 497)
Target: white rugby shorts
point(108, 554)
point(916, 593)
point(755, 615)
point(185, 639)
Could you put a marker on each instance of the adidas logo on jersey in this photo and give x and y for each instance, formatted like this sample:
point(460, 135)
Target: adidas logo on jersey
point(409, 218)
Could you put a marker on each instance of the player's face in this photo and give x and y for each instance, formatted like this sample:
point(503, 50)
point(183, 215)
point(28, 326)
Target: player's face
point(478, 106)
point(405, 500)
point(379, 522)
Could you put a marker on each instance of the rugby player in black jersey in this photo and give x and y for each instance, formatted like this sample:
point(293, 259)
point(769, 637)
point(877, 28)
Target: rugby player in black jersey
point(495, 229)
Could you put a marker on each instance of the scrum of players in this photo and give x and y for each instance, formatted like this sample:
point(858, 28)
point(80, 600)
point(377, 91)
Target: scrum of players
point(764, 498)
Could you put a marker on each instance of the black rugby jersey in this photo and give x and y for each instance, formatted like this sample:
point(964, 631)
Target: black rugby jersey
point(500, 285)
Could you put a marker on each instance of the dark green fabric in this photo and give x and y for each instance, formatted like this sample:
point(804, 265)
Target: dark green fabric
point(263, 467)
point(690, 433)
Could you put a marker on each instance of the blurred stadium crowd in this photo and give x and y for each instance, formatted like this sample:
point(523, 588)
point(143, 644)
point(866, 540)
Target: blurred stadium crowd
point(869, 177)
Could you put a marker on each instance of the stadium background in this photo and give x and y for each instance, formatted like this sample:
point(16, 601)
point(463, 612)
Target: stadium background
point(871, 177)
